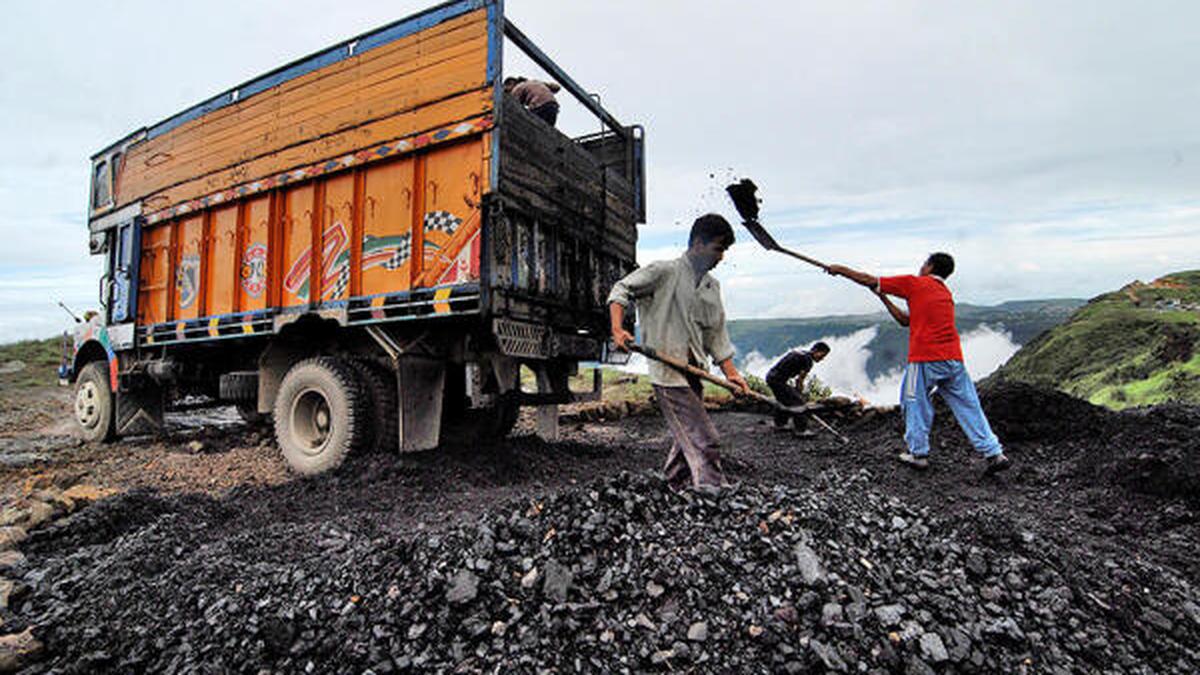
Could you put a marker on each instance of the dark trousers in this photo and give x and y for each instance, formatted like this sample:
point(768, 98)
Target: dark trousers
point(790, 397)
point(694, 459)
point(547, 111)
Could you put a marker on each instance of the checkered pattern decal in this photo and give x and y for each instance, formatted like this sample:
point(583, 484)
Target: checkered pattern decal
point(442, 221)
point(400, 255)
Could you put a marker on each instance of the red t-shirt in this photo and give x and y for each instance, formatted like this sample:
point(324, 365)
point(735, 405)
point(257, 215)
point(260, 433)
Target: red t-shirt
point(932, 335)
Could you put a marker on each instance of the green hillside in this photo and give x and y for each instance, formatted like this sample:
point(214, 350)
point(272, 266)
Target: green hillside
point(1139, 345)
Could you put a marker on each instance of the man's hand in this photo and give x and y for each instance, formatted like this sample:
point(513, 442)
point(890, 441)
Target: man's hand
point(731, 373)
point(616, 320)
point(621, 338)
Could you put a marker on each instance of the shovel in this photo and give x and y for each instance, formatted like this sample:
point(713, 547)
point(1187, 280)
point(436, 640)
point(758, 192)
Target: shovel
point(651, 353)
point(745, 200)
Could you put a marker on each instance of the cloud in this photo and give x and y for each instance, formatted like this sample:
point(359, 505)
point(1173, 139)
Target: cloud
point(845, 369)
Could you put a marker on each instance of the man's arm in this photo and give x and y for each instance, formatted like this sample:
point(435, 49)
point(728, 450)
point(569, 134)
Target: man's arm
point(898, 314)
point(721, 349)
point(637, 284)
point(860, 278)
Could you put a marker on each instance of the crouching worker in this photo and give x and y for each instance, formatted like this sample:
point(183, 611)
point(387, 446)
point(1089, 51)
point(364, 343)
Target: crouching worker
point(795, 365)
point(682, 316)
point(935, 360)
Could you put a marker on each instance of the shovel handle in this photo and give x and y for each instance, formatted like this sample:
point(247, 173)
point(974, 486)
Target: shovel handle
point(651, 353)
point(801, 256)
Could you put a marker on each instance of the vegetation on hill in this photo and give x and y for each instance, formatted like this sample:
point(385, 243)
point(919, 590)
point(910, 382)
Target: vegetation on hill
point(1139, 345)
point(30, 363)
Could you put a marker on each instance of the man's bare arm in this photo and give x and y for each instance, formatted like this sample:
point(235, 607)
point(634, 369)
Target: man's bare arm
point(860, 278)
point(898, 314)
point(616, 318)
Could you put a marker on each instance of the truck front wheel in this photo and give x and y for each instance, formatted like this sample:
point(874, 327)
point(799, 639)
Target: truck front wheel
point(319, 415)
point(94, 403)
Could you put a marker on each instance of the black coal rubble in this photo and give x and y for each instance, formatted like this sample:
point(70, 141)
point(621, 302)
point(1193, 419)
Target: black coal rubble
point(619, 575)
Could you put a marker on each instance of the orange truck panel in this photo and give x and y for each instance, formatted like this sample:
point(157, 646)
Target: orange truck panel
point(361, 178)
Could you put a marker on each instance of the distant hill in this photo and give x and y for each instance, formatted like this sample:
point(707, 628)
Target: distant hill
point(1139, 345)
point(1023, 319)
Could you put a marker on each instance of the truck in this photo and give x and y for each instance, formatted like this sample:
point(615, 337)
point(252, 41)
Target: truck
point(374, 247)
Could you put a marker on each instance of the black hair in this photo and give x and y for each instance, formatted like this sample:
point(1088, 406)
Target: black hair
point(710, 227)
point(942, 264)
point(820, 347)
point(513, 80)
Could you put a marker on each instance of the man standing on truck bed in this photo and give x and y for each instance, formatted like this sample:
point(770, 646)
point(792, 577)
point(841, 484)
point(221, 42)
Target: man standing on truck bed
point(683, 317)
point(934, 360)
point(536, 96)
point(796, 364)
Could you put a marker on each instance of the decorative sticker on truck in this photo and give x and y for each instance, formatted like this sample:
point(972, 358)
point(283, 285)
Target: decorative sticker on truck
point(334, 254)
point(187, 280)
point(254, 270)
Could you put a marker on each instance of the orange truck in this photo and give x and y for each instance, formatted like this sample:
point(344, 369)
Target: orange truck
point(369, 245)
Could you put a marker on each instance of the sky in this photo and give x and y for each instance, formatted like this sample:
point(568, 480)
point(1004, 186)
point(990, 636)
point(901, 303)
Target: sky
point(1051, 147)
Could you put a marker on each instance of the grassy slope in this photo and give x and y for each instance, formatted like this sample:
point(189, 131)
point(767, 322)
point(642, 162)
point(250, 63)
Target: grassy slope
point(41, 359)
point(1119, 353)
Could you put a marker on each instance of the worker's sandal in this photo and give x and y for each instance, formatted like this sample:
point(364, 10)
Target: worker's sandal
point(916, 462)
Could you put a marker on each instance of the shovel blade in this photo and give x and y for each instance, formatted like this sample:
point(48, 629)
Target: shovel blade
point(761, 235)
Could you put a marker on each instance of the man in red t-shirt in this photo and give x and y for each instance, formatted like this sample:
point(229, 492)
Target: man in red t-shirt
point(934, 361)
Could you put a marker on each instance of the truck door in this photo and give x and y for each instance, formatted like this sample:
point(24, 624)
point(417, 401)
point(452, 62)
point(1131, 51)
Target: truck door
point(123, 271)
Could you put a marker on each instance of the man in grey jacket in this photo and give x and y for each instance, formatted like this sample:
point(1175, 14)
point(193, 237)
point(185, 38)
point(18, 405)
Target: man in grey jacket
point(682, 316)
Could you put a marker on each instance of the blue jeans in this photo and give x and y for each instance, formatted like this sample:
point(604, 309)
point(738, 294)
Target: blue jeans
point(956, 388)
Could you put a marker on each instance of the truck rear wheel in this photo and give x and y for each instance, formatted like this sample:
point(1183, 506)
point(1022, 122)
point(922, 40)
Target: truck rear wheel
point(319, 415)
point(379, 385)
point(94, 403)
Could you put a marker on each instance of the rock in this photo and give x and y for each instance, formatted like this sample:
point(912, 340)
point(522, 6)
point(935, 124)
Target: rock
point(889, 615)
point(1192, 611)
point(786, 614)
point(11, 559)
point(13, 515)
point(6, 589)
point(831, 613)
point(11, 367)
point(40, 513)
point(653, 589)
point(932, 648)
point(558, 581)
point(754, 631)
point(698, 632)
point(809, 564)
point(976, 565)
point(463, 588)
point(12, 536)
point(18, 650)
point(195, 447)
point(86, 494)
point(828, 655)
point(530, 578)
point(899, 523)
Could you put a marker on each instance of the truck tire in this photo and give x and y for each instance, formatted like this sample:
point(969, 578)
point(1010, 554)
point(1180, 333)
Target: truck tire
point(379, 383)
point(95, 405)
point(240, 385)
point(319, 415)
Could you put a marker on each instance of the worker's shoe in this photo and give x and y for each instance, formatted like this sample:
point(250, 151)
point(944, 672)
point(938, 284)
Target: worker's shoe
point(806, 434)
point(996, 464)
point(919, 462)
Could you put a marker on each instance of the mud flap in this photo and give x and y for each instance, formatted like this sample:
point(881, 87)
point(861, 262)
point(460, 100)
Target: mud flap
point(552, 379)
point(420, 382)
point(140, 411)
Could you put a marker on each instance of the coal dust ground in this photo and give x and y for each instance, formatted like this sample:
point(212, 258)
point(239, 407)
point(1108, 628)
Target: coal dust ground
point(527, 556)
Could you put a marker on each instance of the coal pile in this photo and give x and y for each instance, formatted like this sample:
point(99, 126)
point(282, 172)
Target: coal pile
point(616, 575)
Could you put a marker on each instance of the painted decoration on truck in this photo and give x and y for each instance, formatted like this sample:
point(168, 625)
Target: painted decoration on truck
point(254, 270)
point(389, 253)
point(335, 255)
point(465, 266)
point(187, 280)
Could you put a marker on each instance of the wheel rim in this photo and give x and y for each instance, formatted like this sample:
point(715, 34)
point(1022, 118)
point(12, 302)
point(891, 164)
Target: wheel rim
point(87, 404)
point(311, 421)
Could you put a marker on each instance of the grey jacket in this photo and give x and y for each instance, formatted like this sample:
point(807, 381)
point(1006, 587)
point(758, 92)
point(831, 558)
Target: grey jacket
point(678, 317)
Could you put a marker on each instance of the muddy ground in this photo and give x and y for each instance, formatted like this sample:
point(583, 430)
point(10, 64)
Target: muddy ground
point(1113, 497)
